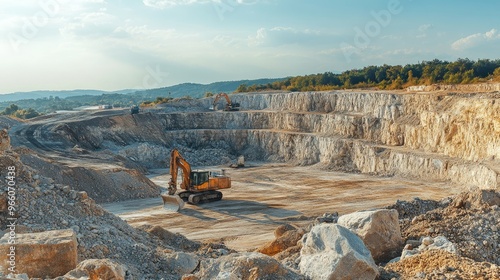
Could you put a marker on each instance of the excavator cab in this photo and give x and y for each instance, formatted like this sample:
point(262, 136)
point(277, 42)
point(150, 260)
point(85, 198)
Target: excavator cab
point(199, 177)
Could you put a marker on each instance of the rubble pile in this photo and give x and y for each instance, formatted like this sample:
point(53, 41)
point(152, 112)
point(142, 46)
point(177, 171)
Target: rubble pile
point(103, 184)
point(109, 248)
point(458, 239)
point(470, 221)
point(45, 206)
point(207, 157)
point(156, 156)
point(407, 210)
point(455, 238)
point(440, 264)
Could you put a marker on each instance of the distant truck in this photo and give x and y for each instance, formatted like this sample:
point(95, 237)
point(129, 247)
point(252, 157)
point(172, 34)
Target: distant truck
point(134, 110)
point(106, 106)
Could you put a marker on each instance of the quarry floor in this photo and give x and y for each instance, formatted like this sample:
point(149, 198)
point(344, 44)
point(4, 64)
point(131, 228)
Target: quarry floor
point(263, 196)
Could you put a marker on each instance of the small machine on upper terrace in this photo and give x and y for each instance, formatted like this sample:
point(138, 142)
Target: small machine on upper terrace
point(229, 105)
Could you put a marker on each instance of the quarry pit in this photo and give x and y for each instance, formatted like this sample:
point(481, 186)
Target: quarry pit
point(307, 154)
point(312, 153)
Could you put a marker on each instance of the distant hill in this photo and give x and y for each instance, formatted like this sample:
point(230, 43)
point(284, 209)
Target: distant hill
point(199, 90)
point(50, 101)
point(55, 93)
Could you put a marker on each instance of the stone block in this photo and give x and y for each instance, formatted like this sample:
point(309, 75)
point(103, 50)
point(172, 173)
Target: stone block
point(40, 255)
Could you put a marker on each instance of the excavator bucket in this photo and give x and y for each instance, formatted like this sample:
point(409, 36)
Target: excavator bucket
point(172, 203)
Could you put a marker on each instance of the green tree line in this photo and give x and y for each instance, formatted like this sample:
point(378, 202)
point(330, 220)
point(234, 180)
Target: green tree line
point(14, 111)
point(159, 100)
point(462, 71)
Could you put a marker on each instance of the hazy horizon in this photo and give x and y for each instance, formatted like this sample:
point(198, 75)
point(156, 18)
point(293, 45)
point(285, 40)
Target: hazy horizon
point(109, 46)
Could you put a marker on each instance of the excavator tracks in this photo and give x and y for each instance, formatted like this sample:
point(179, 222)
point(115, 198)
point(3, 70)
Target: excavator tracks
point(200, 197)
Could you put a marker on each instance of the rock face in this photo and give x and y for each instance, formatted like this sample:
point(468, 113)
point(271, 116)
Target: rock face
point(484, 87)
point(331, 251)
point(379, 230)
point(252, 266)
point(431, 135)
point(40, 255)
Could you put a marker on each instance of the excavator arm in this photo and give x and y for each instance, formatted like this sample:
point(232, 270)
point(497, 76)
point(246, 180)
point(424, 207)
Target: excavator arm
point(176, 162)
point(171, 201)
point(222, 94)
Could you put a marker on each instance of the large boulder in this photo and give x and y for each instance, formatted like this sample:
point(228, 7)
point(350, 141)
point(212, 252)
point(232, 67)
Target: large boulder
point(250, 266)
point(379, 230)
point(96, 269)
point(40, 255)
point(182, 263)
point(281, 229)
point(331, 251)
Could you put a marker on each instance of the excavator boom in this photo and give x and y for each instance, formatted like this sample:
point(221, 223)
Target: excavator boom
point(176, 162)
point(171, 201)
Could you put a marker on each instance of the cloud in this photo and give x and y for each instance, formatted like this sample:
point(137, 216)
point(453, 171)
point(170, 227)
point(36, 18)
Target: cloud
point(424, 27)
point(162, 4)
point(475, 40)
point(423, 30)
point(281, 36)
point(90, 24)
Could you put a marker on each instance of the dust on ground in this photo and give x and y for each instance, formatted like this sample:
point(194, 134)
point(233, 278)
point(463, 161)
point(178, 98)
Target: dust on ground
point(266, 195)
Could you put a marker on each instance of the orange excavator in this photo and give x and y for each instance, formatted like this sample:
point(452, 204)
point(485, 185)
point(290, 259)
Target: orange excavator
point(198, 186)
point(229, 105)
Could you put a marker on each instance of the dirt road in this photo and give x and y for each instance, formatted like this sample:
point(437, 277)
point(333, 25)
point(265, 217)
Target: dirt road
point(265, 196)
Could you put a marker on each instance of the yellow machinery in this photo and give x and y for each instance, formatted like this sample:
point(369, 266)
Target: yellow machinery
point(198, 186)
point(229, 105)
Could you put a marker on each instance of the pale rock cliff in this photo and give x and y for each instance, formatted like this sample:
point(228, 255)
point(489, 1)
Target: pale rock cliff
point(449, 137)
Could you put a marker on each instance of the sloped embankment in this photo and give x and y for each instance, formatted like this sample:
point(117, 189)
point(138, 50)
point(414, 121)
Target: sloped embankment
point(102, 183)
point(426, 135)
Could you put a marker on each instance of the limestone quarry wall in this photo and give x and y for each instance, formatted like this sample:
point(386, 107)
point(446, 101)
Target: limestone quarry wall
point(431, 136)
point(483, 87)
point(462, 126)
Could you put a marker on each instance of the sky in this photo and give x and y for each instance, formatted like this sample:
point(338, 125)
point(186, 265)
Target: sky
point(140, 44)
